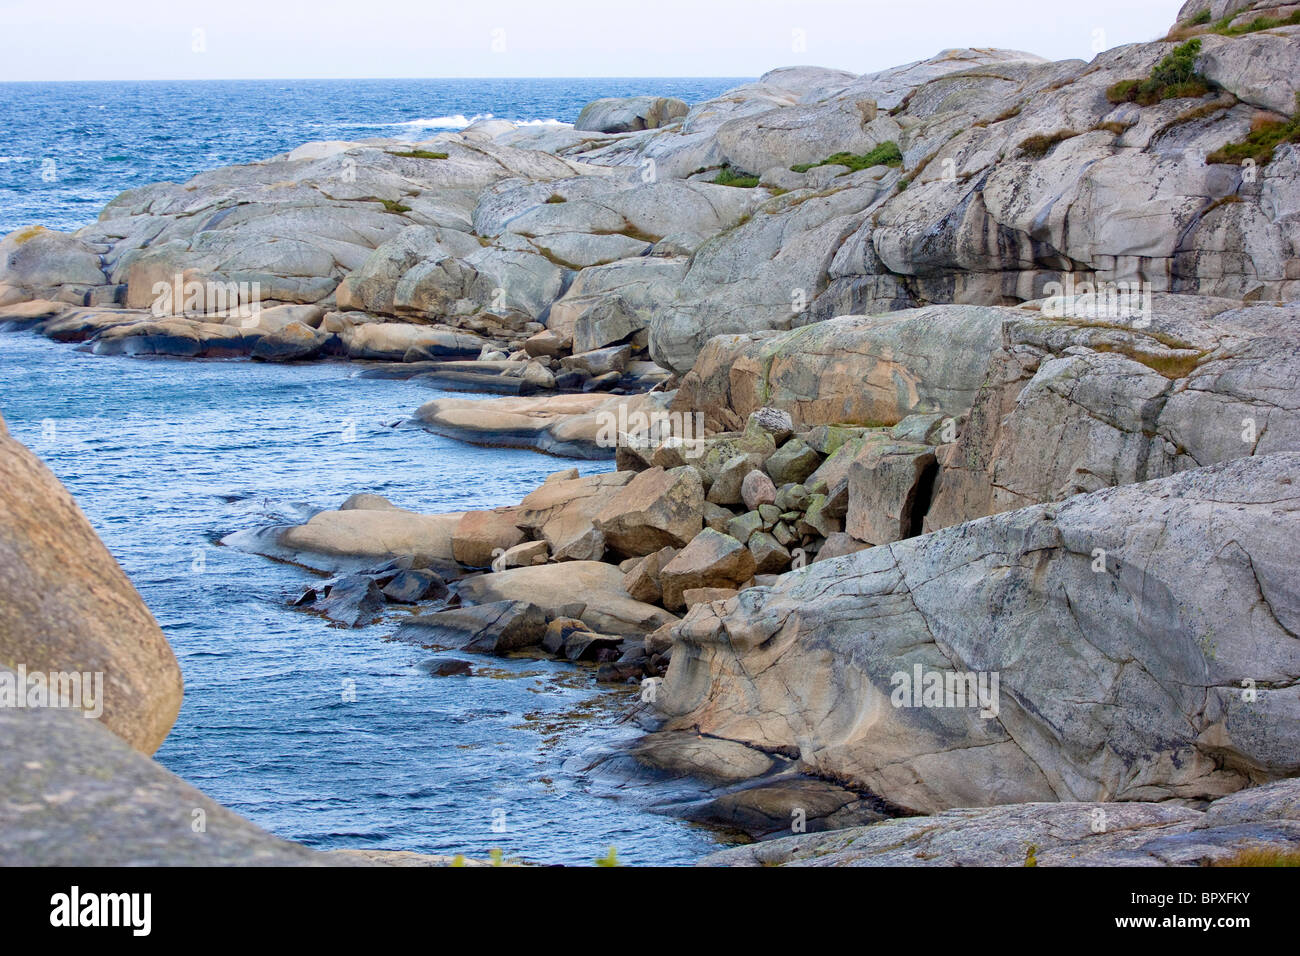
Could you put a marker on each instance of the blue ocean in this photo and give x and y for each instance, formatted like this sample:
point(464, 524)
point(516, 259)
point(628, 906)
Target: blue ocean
point(69, 148)
point(166, 457)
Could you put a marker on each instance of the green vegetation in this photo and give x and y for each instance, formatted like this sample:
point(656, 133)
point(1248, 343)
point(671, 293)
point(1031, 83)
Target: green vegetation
point(1173, 77)
point(556, 197)
point(1040, 144)
point(1264, 137)
point(609, 859)
point(727, 176)
point(395, 207)
point(1223, 27)
point(420, 154)
point(1202, 17)
point(886, 154)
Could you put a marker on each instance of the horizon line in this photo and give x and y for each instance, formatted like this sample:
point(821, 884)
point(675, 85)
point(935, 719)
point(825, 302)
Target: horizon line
point(380, 79)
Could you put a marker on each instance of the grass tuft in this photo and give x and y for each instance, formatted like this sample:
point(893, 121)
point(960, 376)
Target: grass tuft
point(419, 154)
point(886, 154)
point(727, 176)
point(1040, 144)
point(1265, 856)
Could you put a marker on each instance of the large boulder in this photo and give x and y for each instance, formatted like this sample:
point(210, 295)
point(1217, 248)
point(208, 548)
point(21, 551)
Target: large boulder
point(482, 536)
point(67, 608)
point(626, 114)
point(497, 627)
point(563, 514)
point(572, 426)
point(556, 588)
point(711, 560)
point(656, 509)
point(865, 370)
point(1130, 644)
point(353, 539)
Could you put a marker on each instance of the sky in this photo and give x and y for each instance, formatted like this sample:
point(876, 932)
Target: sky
point(347, 39)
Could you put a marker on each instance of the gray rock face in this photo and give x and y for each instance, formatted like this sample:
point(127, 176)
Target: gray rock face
point(1142, 639)
point(1047, 834)
point(73, 794)
point(630, 113)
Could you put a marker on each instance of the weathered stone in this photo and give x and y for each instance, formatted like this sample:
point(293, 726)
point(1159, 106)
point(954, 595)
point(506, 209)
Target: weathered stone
point(730, 478)
point(482, 536)
point(710, 560)
point(742, 526)
point(654, 510)
point(793, 462)
point(1144, 572)
point(596, 588)
point(494, 628)
point(642, 580)
point(562, 513)
point(889, 492)
point(757, 489)
point(67, 607)
point(770, 557)
point(415, 585)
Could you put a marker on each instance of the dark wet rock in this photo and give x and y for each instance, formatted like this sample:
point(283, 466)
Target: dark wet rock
point(587, 645)
point(782, 807)
point(448, 668)
point(410, 587)
point(495, 628)
point(352, 601)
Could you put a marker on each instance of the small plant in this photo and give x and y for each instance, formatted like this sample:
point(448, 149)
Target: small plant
point(1031, 855)
point(1224, 27)
point(886, 154)
point(727, 176)
point(555, 198)
point(420, 154)
point(609, 859)
point(1040, 144)
point(1258, 146)
point(395, 207)
point(1111, 127)
point(1173, 77)
point(1200, 18)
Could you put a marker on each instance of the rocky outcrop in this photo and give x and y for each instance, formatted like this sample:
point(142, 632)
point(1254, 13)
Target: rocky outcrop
point(358, 537)
point(66, 608)
point(629, 114)
point(1050, 834)
point(1142, 640)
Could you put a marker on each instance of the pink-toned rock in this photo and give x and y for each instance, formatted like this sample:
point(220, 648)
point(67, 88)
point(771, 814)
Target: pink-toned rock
point(481, 536)
point(757, 489)
point(711, 560)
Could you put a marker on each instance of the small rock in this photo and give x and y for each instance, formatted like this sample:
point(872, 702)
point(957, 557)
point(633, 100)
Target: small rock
point(757, 489)
point(410, 587)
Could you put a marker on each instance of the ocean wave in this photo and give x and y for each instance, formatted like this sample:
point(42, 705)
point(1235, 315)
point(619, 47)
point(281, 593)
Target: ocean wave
point(454, 122)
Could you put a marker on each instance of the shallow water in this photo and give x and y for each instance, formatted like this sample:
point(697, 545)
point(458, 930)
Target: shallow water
point(166, 457)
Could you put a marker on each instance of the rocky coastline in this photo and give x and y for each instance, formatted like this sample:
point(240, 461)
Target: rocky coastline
point(954, 416)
